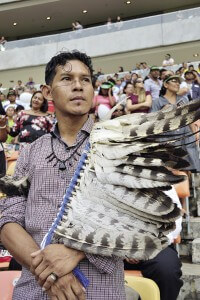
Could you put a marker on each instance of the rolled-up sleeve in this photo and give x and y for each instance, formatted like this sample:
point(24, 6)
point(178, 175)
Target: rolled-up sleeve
point(12, 209)
point(103, 263)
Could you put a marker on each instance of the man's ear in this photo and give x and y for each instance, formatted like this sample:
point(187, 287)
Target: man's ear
point(46, 92)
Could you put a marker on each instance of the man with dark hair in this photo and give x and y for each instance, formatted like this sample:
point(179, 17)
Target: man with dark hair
point(168, 61)
point(153, 84)
point(50, 163)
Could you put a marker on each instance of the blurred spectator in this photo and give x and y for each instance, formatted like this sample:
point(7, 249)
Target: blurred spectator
point(30, 84)
point(153, 84)
point(144, 65)
point(99, 73)
point(3, 100)
point(184, 65)
point(2, 43)
point(127, 92)
point(32, 124)
point(11, 99)
point(168, 61)
point(140, 101)
point(119, 111)
point(195, 90)
point(127, 77)
point(19, 108)
point(104, 101)
point(119, 23)
point(197, 77)
point(77, 25)
point(109, 23)
point(19, 88)
point(188, 84)
point(162, 74)
point(121, 69)
point(180, 72)
point(10, 113)
point(134, 76)
point(191, 68)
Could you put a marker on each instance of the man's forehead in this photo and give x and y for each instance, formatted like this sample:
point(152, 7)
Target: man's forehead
point(73, 66)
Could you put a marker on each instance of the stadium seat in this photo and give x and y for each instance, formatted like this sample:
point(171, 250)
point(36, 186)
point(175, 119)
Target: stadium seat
point(8, 280)
point(146, 288)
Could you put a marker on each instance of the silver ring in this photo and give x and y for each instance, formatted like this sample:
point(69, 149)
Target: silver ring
point(53, 276)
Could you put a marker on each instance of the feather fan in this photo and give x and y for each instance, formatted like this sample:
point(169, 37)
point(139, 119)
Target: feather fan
point(115, 204)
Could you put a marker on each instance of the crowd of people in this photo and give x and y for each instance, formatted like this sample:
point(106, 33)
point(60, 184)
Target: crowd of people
point(19, 125)
point(29, 115)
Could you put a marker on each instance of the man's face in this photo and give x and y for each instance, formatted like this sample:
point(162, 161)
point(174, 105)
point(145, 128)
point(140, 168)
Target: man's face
point(12, 98)
point(72, 89)
point(155, 74)
point(2, 97)
point(189, 76)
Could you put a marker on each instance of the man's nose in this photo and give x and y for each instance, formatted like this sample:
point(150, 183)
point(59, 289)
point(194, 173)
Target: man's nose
point(77, 84)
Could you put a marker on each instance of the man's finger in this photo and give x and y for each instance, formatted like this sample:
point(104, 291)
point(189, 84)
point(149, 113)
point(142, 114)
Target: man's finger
point(69, 294)
point(34, 254)
point(79, 290)
point(59, 294)
point(36, 261)
point(40, 269)
point(48, 282)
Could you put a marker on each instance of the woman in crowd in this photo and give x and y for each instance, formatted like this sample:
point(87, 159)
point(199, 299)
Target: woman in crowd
point(168, 96)
point(140, 101)
point(134, 76)
point(104, 101)
point(33, 123)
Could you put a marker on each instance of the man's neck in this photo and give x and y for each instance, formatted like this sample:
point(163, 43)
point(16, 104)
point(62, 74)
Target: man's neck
point(69, 126)
point(154, 79)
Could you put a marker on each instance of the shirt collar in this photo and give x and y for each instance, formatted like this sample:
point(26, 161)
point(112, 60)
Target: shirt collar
point(87, 127)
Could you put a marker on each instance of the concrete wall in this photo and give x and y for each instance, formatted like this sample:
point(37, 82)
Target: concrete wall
point(110, 63)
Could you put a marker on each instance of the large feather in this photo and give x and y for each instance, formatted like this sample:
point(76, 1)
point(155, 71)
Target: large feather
point(117, 206)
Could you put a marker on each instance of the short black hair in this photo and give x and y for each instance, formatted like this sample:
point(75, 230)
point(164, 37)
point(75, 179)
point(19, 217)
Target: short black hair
point(61, 59)
point(44, 107)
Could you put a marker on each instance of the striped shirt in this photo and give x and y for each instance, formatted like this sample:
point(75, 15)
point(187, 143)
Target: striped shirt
point(37, 212)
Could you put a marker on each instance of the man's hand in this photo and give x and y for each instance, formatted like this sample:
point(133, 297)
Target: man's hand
point(132, 261)
point(67, 288)
point(56, 259)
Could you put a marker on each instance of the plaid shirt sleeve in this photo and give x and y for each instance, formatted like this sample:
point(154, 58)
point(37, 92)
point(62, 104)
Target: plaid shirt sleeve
point(13, 208)
point(102, 263)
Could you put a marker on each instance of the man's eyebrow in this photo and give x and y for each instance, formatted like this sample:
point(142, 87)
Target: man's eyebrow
point(71, 74)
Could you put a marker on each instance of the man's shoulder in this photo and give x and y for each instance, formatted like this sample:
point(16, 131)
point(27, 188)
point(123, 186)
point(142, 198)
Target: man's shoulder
point(40, 143)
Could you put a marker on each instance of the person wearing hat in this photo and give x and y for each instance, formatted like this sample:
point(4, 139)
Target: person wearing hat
point(153, 84)
point(189, 85)
point(169, 96)
point(11, 96)
point(105, 100)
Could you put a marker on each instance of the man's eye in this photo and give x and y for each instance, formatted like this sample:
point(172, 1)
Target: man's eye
point(66, 78)
point(86, 79)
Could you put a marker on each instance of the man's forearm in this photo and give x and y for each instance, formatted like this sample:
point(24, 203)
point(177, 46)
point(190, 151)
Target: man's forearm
point(19, 243)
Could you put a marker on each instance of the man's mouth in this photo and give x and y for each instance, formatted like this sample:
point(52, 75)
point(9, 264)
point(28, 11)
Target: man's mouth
point(78, 98)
